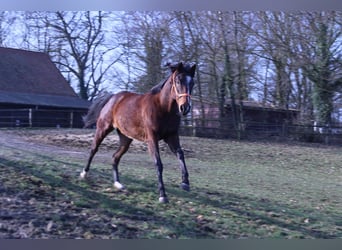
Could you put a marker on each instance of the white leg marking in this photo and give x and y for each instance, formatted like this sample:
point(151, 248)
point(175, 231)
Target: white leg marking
point(163, 200)
point(118, 185)
point(83, 174)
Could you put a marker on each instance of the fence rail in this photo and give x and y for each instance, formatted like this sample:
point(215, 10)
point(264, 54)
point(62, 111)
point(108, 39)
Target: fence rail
point(216, 128)
point(41, 118)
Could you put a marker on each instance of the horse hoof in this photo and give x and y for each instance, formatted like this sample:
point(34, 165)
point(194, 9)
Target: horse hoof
point(185, 186)
point(163, 200)
point(119, 186)
point(83, 174)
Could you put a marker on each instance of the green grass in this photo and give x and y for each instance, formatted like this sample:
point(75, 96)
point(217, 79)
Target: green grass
point(238, 190)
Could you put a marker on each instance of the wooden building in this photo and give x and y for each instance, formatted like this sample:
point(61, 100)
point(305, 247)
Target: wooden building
point(250, 119)
point(33, 92)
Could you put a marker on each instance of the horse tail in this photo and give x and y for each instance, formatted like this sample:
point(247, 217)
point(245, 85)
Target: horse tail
point(95, 108)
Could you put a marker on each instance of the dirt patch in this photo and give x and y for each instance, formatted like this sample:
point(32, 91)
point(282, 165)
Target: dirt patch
point(81, 139)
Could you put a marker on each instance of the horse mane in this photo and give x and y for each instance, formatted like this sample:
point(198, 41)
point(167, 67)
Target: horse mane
point(156, 89)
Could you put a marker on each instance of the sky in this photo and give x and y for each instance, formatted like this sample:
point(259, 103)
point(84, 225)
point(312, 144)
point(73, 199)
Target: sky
point(172, 5)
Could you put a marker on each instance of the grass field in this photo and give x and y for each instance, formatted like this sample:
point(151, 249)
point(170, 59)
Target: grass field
point(239, 189)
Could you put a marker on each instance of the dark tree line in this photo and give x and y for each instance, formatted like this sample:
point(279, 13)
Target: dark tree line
point(288, 59)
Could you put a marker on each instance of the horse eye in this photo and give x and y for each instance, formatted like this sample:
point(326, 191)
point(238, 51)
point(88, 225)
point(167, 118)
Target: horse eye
point(178, 80)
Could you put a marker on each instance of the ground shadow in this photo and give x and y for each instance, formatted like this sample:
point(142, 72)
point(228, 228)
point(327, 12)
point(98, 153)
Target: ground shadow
point(182, 225)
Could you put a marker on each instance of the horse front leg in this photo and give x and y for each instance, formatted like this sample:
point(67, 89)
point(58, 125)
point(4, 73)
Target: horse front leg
point(154, 151)
point(185, 185)
point(174, 145)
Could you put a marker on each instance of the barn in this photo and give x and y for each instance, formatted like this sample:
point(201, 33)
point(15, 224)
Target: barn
point(257, 119)
point(33, 92)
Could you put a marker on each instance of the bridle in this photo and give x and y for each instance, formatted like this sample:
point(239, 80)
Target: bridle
point(178, 96)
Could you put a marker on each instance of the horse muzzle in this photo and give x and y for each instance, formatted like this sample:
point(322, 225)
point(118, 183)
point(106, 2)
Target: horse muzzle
point(184, 103)
point(184, 109)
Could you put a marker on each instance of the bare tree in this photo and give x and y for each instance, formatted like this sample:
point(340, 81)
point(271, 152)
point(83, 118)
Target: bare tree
point(6, 21)
point(143, 37)
point(79, 48)
point(125, 74)
point(275, 43)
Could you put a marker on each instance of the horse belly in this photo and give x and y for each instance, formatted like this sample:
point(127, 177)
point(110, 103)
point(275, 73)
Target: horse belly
point(133, 132)
point(129, 123)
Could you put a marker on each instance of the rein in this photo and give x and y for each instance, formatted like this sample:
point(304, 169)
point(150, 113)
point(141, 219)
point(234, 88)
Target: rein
point(175, 89)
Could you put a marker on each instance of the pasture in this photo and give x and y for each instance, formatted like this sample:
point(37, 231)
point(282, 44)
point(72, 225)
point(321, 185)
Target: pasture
point(239, 189)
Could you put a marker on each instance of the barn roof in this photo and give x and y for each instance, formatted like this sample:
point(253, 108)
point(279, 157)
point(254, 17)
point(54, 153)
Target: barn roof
point(31, 78)
point(43, 100)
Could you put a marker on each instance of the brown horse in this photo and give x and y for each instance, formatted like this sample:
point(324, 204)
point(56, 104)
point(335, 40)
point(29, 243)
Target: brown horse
point(150, 117)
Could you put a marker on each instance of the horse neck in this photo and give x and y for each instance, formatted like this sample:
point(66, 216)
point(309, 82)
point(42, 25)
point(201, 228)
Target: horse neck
point(166, 101)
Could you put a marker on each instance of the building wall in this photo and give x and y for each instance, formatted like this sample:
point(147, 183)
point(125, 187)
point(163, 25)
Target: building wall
point(254, 120)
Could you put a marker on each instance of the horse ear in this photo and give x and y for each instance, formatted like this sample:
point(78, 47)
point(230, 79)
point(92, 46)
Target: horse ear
point(180, 66)
point(173, 67)
point(193, 70)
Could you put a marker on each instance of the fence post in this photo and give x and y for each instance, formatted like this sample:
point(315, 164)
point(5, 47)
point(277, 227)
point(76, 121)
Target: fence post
point(30, 118)
point(284, 129)
point(71, 119)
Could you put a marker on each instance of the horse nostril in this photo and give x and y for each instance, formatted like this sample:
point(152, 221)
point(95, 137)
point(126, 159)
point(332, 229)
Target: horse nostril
point(182, 108)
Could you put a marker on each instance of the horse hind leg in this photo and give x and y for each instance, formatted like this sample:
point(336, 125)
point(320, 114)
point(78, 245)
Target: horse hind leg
point(154, 151)
point(125, 142)
point(102, 130)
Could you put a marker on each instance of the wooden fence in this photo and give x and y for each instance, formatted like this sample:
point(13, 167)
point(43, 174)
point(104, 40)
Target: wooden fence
point(41, 118)
point(209, 128)
point(215, 128)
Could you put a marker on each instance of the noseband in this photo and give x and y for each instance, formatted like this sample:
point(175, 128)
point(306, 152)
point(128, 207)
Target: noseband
point(175, 88)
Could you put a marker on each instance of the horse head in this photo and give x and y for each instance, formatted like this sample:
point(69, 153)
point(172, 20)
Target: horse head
point(182, 81)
